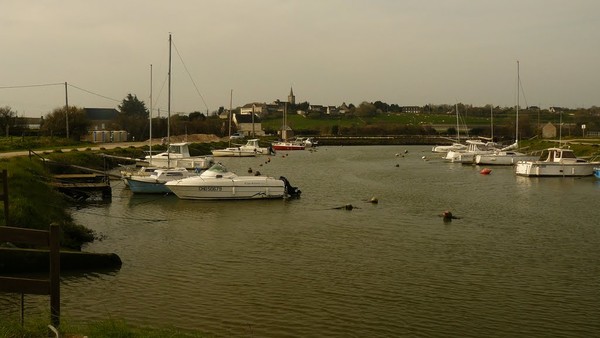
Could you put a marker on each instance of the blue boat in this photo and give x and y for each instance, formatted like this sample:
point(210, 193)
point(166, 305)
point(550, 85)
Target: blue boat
point(597, 172)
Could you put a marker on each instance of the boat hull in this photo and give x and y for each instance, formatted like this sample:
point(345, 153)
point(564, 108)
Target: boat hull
point(496, 159)
point(597, 172)
point(288, 146)
point(541, 169)
point(233, 152)
point(141, 187)
point(228, 189)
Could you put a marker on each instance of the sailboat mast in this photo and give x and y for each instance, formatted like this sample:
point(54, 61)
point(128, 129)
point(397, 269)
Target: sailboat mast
point(492, 121)
point(518, 93)
point(457, 125)
point(169, 108)
point(150, 116)
point(230, 113)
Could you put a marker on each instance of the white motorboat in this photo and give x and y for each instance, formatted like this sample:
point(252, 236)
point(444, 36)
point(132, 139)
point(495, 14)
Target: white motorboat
point(447, 148)
point(233, 152)
point(178, 156)
point(155, 182)
point(474, 148)
point(503, 157)
point(218, 183)
point(254, 145)
point(251, 148)
point(556, 162)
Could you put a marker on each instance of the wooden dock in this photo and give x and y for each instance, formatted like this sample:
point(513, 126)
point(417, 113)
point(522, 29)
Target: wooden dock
point(82, 186)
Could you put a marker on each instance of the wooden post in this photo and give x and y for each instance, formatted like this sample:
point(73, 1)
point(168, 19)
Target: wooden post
point(47, 286)
point(4, 195)
point(55, 274)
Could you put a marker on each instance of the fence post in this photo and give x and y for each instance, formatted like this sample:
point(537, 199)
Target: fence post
point(55, 274)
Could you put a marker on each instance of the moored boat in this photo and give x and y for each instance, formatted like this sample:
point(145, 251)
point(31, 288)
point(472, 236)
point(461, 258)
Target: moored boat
point(233, 152)
point(474, 147)
point(251, 148)
point(155, 182)
point(218, 183)
point(447, 148)
point(178, 155)
point(556, 162)
point(286, 145)
point(597, 172)
point(506, 157)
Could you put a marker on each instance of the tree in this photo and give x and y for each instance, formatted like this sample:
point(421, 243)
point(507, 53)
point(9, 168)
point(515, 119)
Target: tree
point(133, 117)
point(7, 119)
point(55, 123)
point(365, 109)
point(133, 107)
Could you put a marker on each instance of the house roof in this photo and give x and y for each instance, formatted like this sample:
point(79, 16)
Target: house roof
point(101, 113)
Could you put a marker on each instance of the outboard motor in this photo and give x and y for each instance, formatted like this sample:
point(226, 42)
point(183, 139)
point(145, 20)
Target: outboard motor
point(289, 190)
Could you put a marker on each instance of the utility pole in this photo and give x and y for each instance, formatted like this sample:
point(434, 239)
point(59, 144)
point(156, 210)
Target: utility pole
point(67, 108)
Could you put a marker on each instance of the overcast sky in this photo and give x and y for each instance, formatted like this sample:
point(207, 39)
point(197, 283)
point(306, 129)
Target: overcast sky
point(408, 52)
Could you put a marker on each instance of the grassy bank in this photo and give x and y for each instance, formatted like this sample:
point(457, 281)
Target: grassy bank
point(38, 327)
point(34, 204)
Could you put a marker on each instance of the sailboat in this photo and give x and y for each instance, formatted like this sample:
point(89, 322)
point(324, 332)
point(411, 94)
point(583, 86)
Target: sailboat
point(456, 145)
point(285, 144)
point(233, 151)
point(154, 183)
point(506, 155)
point(177, 154)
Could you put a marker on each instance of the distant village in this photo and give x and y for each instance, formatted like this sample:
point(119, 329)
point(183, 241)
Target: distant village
point(247, 118)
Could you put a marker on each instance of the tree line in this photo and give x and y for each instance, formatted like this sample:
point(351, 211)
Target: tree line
point(133, 116)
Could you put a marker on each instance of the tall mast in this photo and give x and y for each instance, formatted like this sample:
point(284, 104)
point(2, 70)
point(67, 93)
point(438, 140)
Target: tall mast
point(492, 120)
point(230, 113)
point(518, 93)
point(169, 108)
point(457, 125)
point(150, 115)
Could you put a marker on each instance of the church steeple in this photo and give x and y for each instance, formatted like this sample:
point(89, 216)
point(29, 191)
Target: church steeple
point(291, 97)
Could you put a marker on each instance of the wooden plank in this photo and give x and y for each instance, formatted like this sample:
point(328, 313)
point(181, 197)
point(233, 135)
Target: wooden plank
point(22, 235)
point(25, 285)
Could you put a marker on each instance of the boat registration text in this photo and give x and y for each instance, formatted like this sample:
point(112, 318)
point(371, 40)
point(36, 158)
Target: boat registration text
point(210, 188)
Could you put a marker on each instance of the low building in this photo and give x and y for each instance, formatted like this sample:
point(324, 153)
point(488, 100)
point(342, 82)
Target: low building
point(248, 124)
point(101, 118)
point(549, 130)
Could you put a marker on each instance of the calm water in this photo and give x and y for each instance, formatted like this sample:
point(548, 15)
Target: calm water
point(521, 261)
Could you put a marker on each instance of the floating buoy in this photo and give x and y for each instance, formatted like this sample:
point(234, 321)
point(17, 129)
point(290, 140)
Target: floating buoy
point(257, 173)
point(374, 200)
point(397, 154)
point(447, 216)
point(485, 171)
point(249, 170)
point(397, 165)
point(406, 151)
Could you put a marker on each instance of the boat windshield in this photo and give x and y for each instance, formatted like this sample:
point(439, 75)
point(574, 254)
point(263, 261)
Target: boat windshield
point(218, 168)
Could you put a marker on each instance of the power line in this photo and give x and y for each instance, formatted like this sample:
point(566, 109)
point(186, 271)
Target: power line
point(33, 85)
point(90, 92)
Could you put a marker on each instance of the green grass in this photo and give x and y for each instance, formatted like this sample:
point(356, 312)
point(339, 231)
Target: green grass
point(111, 328)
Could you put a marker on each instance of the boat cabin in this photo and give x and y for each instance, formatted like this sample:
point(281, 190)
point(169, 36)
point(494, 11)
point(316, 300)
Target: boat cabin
point(559, 155)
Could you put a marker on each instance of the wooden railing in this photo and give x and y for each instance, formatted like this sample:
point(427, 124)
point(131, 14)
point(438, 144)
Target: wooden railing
point(42, 238)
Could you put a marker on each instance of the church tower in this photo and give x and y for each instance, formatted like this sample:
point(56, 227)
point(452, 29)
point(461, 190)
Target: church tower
point(291, 97)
